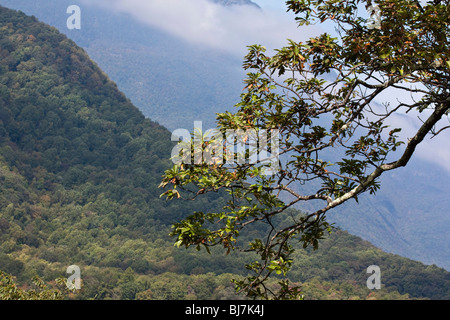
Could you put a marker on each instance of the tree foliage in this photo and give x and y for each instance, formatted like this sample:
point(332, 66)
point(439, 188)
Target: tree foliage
point(41, 291)
point(327, 98)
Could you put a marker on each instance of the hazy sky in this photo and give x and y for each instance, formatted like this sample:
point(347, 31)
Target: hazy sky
point(209, 24)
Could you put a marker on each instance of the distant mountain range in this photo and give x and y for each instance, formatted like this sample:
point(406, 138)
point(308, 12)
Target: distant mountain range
point(175, 83)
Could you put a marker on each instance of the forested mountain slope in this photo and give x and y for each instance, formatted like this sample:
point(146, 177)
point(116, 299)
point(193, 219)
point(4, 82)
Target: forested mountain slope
point(79, 174)
point(159, 73)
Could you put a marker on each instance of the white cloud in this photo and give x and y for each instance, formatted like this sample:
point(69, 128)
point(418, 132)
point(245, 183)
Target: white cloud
point(205, 23)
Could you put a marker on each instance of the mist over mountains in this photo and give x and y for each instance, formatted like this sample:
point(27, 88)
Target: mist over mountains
point(235, 2)
point(175, 81)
